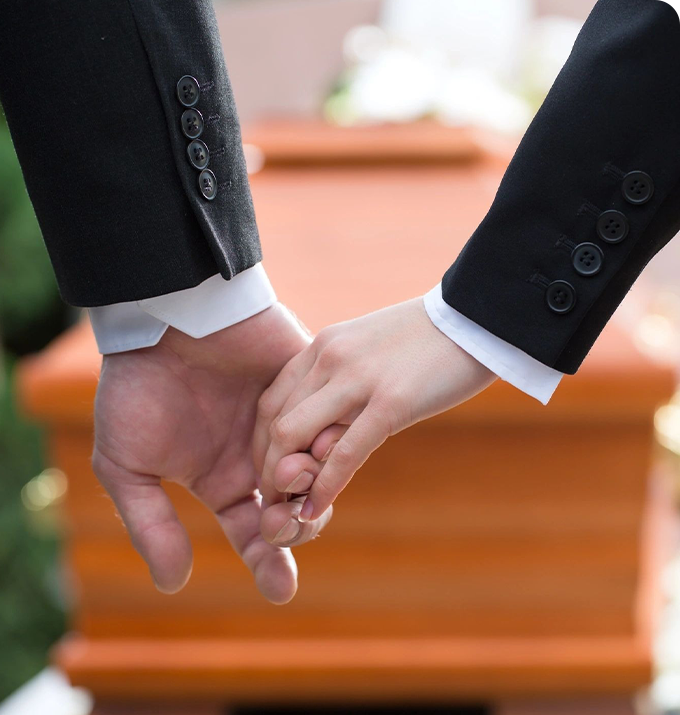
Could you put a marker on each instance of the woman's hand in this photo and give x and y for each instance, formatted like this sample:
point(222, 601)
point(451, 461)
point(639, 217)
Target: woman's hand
point(358, 383)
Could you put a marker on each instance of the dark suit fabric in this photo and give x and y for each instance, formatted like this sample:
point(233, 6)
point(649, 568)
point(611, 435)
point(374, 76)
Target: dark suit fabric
point(89, 92)
point(614, 109)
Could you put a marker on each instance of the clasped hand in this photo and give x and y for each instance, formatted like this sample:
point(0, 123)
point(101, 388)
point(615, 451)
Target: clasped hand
point(341, 397)
point(261, 398)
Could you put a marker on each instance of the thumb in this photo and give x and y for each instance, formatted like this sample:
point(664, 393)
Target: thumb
point(151, 521)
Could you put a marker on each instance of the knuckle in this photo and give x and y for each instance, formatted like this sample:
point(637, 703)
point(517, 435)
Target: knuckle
point(327, 359)
point(325, 492)
point(343, 454)
point(333, 355)
point(324, 336)
point(282, 431)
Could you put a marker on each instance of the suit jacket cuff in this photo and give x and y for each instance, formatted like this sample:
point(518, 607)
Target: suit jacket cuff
point(592, 193)
point(213, 305)
point(505, 360)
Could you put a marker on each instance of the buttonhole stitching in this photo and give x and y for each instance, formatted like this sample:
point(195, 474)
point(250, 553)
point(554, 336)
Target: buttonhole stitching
point(613, 171)
point(564, 243)
point(589, 208)
point(538, 279)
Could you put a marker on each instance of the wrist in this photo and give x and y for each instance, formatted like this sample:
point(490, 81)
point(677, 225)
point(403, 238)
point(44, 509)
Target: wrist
point(199, 311)
point(252, 346)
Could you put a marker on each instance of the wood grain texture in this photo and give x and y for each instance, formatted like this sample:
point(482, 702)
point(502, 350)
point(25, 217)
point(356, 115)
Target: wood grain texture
point(348, 671)
point(338, 667)
point(299, 142)
point(499, 550)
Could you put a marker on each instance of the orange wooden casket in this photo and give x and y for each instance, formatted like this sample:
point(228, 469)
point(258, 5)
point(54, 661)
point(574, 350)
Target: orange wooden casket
point(501, 552)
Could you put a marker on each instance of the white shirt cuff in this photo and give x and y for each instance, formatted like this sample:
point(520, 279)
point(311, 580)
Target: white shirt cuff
point(211, 306)
point(508, 362)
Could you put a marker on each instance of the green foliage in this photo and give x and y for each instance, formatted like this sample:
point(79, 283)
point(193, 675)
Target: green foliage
point(31, 313)
point(31, 617)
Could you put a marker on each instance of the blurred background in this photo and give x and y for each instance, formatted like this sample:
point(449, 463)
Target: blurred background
point(560, 593)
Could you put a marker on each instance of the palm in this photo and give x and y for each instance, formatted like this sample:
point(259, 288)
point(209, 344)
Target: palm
point(184, 412)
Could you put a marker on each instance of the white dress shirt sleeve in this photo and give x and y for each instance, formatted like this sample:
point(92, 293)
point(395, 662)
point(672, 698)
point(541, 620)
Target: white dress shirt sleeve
point(508, 362)
point(216, 304)
point(211, 306)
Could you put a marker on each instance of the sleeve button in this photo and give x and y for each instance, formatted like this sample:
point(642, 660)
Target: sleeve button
point(587, 259)
point(207, 184)
point(637, 187)
point(192, 123)
point(560, 296)
point(612, 226)
point(198, 153)
point(188, 90)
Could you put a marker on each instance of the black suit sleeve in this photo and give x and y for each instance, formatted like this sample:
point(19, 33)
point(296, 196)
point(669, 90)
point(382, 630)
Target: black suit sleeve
point(592, 193)
point(90, 92)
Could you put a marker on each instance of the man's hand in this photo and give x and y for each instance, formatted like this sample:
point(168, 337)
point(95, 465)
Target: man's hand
point(184, 411)
point(358, 383)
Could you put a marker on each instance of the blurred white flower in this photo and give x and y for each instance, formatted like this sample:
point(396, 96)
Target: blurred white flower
point(484, 33)
point(397, 86)
point(364, 43)
point(472, 96)
point(48, 692)
point(485, 63)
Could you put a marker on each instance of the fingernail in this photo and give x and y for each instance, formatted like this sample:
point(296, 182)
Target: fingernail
point(288, 532)
point(306, 511)
point(328, 451)
point(304, 476)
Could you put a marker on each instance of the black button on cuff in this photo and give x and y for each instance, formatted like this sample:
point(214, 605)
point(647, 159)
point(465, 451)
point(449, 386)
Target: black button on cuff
point(612, 226)
point(560, 296)
point(188, 90)
point(207, 184)
point(198, 153)
point(587, 259)
point(192, 123)
point(637, 187)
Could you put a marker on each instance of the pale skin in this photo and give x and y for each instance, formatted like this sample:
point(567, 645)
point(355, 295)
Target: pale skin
point(184, 411)
point(340, 398)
